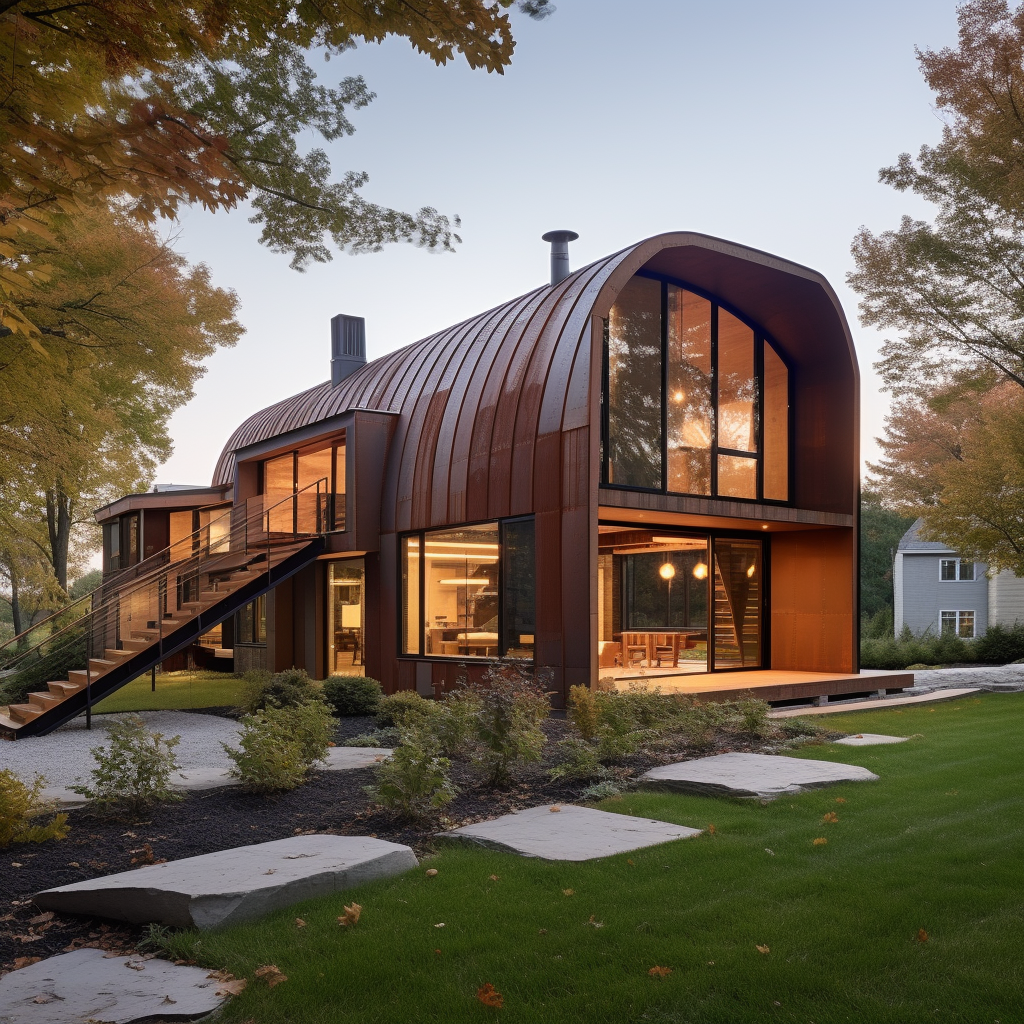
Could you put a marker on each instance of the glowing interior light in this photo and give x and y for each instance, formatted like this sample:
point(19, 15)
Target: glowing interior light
point(667, 571)
point(461, 544)
point(465, 583)
point(679, 396)
point(750, 571)
point(700, 571)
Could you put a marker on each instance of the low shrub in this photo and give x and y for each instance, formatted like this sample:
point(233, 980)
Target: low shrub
point(583, 711)
point(513, 703)
point(580, 761)
point(278, 746)
point(377, 738)
point(455, 724)
point(353, 695)
point(19, 805)
point(135, 770)
point(752, 716)
point(405, 708)
point(1000, 645)
point(414, 780)
point(601, 791)
point(701, 723)
point(286, 689)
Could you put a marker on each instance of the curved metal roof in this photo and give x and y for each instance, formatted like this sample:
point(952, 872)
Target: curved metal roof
point(482, 404)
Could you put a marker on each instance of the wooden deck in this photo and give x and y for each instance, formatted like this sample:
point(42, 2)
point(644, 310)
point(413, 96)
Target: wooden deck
point(771, 684)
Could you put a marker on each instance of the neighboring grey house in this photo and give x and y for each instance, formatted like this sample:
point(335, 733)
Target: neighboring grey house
point(935, 589)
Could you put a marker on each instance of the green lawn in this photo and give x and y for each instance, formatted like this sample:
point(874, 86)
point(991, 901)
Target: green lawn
point(175, 691)
point(934, 846)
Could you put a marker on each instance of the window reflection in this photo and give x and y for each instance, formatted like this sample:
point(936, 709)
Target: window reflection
point(737, 477)
point(689, 392)
point(776, 426)
point(737, 385)
point(345, 616)
point(634, 385)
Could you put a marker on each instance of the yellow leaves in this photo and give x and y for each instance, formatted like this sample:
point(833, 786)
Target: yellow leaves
point(712, 830)
point(299, 923)
point(593, 923)
point(554, 808)
point(568, 892)
point(489, 996)
point(271, 974)
point(820, 842)
point(492, 878)
point(229, 984)
point(840, 799)
point(922, 935)
point(351, 915)
point(631, 862)
point(25, 961)
point(831, 817)
point(660, 972)
point(431, 872)
point(763, 950)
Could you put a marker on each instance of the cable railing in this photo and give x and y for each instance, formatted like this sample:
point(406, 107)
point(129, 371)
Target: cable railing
point(126, 617)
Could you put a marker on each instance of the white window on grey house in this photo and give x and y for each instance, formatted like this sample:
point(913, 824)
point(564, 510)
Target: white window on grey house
point(952, 569)
point(959, 622)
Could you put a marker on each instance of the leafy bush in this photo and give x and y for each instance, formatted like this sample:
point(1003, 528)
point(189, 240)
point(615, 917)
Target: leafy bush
point(1000, 645)
point(286, 689)
point(580, 761)
point(583, 711)
point(19, 804)
point(414, 780)
point(512, 706)
point(601, 791)
point(752, 716)
point(405, 708)
point(353, 695)
point(377, 738)
point(278, 746)
point(455, 724)
point(134, 771)
point(702, 722)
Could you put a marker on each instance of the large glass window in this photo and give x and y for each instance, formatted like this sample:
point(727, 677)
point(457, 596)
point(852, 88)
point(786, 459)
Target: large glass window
point(298, 473)
point(634, 386)
point(468, 592)
point(346, 607)
point(696, 400)
point(251, 627)
point(738, 602)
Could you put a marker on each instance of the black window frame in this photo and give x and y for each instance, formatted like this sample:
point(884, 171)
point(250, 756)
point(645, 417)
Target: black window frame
point(761, 338)
point(336, 515)
point(421, 535)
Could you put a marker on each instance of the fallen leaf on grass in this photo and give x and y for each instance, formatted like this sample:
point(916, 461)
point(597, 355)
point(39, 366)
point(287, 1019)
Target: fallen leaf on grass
point(840, 799)
point(762, 949)
point(660, 972)
point(441, 925)
point(272, 975)
point(438, 952)
point(431, 872)
point(711, 830)
point(299, 923)
point(234, 987)
point(543, 931)
point(771, 853)
point(25, 961)
point(42, 918)
point(489, 997)
point(831, 816)
point(820, 842)
point(922, 935)
point(492, 878)
point(595, 924)
point(351, 915)
point(630, 862)
point(568, 892)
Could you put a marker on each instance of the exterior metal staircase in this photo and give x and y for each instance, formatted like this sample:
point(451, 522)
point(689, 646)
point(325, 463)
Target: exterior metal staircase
point(138, 618)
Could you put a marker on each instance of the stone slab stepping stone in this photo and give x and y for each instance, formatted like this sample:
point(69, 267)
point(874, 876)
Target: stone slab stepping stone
point(764, 776)
point(203, 778)
point(232, 885)
point(86, 985)
point(870, 739)
point(341, 759)
point(571, 833)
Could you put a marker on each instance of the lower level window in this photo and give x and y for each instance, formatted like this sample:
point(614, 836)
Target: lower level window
point(959, 622)
point(468, 592)
point(252, 622)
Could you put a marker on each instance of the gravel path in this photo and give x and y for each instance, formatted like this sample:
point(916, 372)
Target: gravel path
point(63, 757)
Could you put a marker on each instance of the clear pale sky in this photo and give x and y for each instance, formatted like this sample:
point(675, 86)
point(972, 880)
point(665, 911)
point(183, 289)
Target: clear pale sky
point(762, 123)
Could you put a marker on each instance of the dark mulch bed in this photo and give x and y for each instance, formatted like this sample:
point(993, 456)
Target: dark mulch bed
point(211, 820)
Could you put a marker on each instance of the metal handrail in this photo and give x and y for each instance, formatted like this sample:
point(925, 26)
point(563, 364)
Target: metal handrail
point(183, 568)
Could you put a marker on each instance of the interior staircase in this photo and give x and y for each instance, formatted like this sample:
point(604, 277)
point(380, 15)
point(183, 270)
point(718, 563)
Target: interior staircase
point(131, 625)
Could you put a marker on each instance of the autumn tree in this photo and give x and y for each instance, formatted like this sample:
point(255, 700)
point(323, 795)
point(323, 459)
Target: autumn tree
point(152, 105)
point(128, 323)
point(953, 291)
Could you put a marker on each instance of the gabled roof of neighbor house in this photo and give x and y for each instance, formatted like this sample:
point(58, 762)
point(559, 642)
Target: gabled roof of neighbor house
point(913, 542)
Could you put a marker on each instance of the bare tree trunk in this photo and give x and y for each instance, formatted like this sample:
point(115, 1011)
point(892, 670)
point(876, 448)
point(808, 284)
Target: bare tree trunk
point(58, 524)
point(8, 561)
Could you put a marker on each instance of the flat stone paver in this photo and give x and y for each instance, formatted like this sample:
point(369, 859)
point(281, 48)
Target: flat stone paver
point(87, 985)
point(873, 705)
point(870, 739)
point(764, 776)
point(571, 833)
point(342, 759)
point(233, 885)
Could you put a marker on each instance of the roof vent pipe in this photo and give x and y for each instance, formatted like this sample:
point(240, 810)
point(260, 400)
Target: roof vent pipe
point(348, 346)
point(559, 253)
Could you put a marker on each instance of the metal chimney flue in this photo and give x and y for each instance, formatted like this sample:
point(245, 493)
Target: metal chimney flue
point(348, 346)
point(559, 253)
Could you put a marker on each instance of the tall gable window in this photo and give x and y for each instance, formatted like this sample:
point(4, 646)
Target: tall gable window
point(695, 399)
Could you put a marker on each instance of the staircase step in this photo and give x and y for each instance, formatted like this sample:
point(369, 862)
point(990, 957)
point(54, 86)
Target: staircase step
point(63, 689)
point(7, 722)
point(133, 646)
point(24, 712)
point(101, 665)
point(115, 656)
point(44, 700)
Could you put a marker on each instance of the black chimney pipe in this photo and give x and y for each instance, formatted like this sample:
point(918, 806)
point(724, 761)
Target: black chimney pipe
point(348, 346)
point(559, 253)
